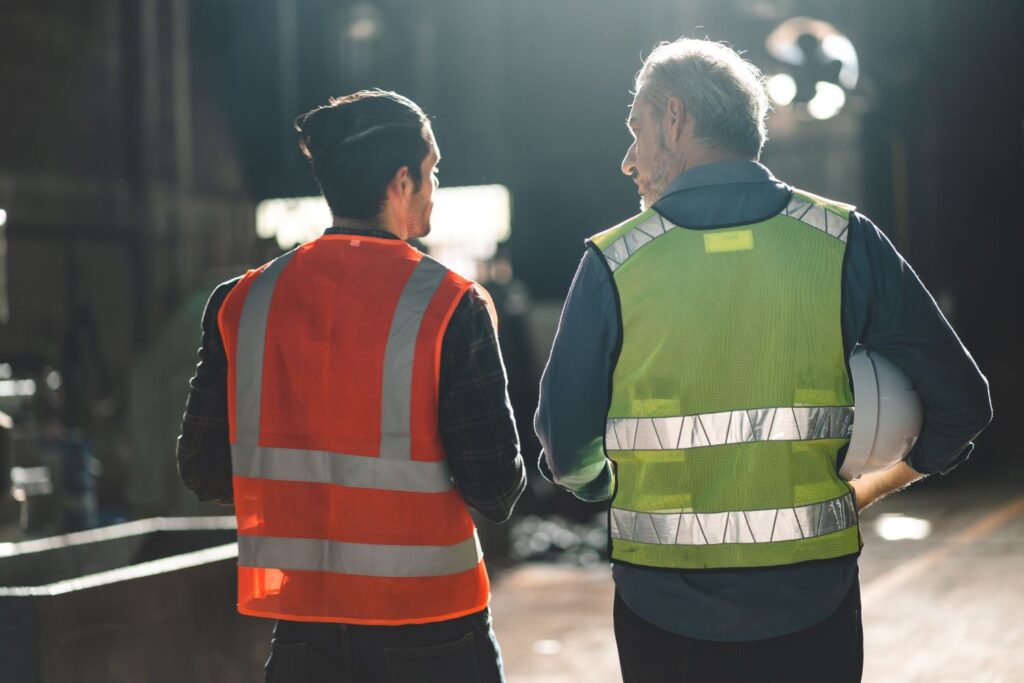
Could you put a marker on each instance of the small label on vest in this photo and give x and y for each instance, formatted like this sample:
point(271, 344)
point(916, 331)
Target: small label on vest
point(816, 397)
point(734, 240)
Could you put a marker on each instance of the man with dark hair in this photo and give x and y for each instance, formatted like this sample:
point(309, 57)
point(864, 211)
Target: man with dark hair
point(350, 401)
point(355, 143)
point(699, 380)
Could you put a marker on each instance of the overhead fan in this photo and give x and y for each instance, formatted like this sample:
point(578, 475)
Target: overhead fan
point(820, 66)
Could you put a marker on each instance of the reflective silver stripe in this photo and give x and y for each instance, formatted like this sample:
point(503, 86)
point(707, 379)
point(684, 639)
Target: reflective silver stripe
point(399, 355)
point(619, 251)
point(818, 217)
point(364, 559)
point(399, 473)
point(814, 215)
point(252, 332)
point(799, 423)
point(746, 526)
point(323, 467)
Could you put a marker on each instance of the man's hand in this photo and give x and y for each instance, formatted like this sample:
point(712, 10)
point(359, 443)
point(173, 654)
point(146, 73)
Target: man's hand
point(877, 485)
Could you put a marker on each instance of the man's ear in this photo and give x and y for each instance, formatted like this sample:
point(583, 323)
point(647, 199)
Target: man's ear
point(401, 186)
point(675, 117)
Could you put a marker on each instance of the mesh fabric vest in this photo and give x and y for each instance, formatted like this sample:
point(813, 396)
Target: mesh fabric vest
point(346, 508)
point(731, 395)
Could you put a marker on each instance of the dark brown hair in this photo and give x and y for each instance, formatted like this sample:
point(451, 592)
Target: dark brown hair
point(356, 144)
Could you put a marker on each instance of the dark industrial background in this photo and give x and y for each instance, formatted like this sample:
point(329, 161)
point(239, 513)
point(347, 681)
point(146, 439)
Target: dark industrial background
point(137, 136)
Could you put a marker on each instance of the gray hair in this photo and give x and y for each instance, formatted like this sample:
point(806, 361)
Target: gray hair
point(724, 92)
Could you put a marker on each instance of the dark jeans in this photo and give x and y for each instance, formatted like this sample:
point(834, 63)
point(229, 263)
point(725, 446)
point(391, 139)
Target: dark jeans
point(831, 651)
point(455, 651)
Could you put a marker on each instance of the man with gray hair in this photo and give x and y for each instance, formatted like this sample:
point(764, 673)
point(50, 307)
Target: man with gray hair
point(699, 380)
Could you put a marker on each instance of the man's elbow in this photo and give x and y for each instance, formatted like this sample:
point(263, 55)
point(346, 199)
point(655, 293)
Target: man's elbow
point(979, 411)
point(496, 514)
point(496, 501)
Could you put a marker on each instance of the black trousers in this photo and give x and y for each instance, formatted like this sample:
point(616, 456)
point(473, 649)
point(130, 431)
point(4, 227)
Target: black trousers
point(452, 651)
point(829, 652)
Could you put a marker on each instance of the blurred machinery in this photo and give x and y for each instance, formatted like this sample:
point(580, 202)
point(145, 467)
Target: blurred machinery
point(821, 67)
point(48, 470)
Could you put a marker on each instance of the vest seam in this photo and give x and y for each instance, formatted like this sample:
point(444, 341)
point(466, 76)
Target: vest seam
point(439, 341)
point(611, 375)
point(842, 316)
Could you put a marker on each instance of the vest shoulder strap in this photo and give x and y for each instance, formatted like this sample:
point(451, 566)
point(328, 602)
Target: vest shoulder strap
point(618, 244)
point(839, 208)
point(604, 239)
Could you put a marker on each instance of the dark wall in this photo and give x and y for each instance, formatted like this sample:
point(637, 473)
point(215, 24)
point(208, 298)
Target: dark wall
point(529, 94)
point(136, 137)
point(533, 94)
point(968, 165)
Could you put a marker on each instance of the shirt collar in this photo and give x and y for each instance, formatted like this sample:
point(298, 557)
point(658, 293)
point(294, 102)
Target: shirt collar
point(721, 173)
point(366, 232)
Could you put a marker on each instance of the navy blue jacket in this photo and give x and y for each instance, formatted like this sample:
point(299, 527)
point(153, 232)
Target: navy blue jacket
point(884, 307)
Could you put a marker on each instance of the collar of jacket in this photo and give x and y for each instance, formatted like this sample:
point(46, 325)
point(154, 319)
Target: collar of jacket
point(722, 195)
point(366, 232)
point(721, 173)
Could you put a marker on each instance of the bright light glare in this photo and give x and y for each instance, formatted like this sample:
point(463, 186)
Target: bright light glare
point(3, 218)
point(30, 481)
point(363, 28)
point(6, 371)
point(17, 387)
point(471, 212)
point(782, 89)
point(53, 380)
point(897, 527)
point(292, 220)
point(784, 45)
point(364, 23)
point(466, 225)
point(828, 100)
point(837, 46)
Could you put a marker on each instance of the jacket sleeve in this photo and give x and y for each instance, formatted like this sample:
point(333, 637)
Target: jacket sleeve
point(475, 415)
point(204, 446)
point(575, 388)
point(888, 310)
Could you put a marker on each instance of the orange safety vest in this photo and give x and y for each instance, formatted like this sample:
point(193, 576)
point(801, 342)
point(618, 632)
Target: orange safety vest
point(346, 508)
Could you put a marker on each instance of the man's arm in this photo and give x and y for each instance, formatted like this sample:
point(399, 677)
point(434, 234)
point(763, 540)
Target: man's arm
point(897, 317)
point(875, 486)
point(576, 387)
point(204, 447)
point(475, 416)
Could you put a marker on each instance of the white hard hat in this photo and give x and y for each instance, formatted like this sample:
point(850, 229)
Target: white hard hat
point(887, 415)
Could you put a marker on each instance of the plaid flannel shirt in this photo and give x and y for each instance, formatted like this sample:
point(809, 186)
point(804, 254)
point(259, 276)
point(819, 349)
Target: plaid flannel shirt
point(475, 416)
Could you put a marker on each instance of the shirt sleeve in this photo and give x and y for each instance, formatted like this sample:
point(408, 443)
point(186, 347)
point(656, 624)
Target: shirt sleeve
point(204, 447)
point(887, 309)
point(475, 415)
point(575, 388)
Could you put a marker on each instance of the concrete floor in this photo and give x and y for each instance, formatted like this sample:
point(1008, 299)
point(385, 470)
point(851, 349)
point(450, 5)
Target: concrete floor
point(945, 608)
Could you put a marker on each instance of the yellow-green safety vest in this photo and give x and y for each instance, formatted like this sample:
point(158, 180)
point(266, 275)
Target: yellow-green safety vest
point(731, 394)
